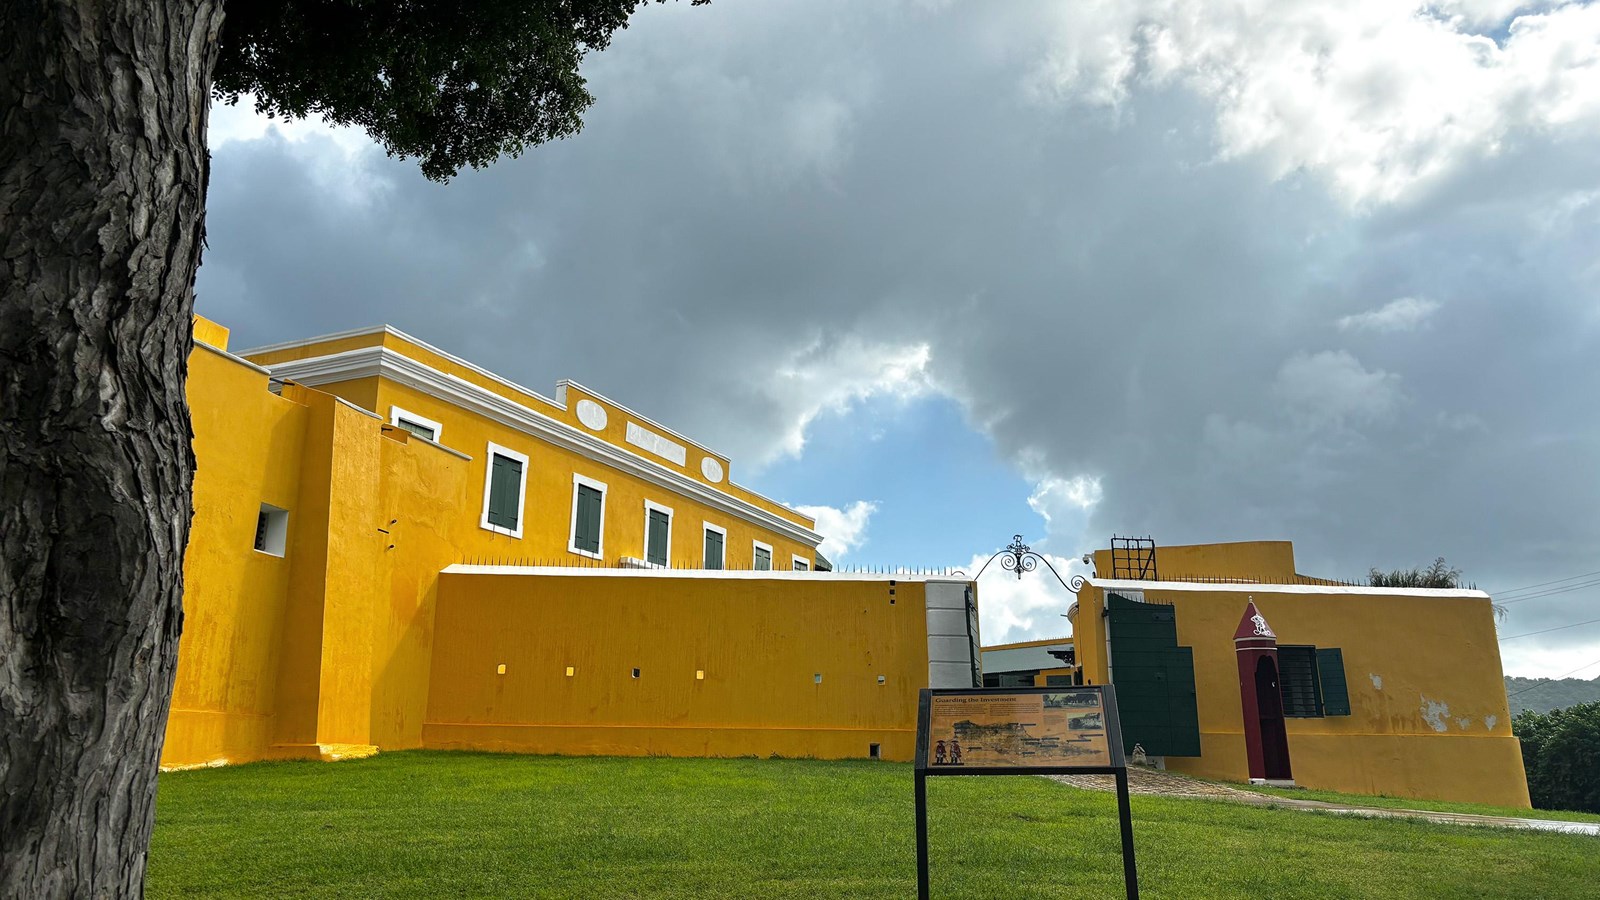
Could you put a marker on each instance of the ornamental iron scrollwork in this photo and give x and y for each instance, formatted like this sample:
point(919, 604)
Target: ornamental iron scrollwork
point(1019, 558)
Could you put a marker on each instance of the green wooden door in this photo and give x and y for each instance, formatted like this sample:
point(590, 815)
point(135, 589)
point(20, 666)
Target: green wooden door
point(1154, 678)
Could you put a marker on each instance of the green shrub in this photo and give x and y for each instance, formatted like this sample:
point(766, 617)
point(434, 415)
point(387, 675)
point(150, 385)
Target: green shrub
point(1561, 752)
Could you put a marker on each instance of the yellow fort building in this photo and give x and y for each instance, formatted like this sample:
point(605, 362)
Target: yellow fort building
point(1228, 664)
point(393, 548)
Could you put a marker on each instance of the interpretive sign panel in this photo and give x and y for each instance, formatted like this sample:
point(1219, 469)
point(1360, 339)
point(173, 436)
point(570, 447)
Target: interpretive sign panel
point(1013, 729)
point(1020, 731)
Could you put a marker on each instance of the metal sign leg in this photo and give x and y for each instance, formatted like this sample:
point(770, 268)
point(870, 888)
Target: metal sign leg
point(1130, 870)
point(922, 836)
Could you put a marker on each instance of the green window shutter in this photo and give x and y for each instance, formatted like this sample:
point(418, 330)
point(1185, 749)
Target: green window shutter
point(1297, 681)
point(713, 549)
point(586, 534)
point(763, 561)
point(1335, 692)
point(656, 539)
point(505, 484)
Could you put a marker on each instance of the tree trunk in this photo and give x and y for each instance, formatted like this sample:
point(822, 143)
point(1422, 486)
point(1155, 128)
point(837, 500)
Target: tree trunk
point(103, 165)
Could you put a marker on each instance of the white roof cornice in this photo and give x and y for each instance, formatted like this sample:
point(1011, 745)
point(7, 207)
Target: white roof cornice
point(379, 361)
point(1124, 584)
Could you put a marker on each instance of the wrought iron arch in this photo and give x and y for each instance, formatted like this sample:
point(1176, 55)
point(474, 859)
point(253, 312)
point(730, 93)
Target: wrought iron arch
point(1019, 558)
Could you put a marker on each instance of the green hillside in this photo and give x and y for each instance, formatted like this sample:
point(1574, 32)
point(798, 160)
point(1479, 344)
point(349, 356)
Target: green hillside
point(1549, 694)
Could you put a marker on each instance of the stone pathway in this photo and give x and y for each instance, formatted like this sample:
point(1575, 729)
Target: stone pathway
point(1142, 780)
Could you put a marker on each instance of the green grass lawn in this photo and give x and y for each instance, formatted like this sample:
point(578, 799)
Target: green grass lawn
point(426, 824)
point(1478, 809)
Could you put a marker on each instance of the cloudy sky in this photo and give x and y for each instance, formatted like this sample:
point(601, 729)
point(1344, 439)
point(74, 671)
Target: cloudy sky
point(943, 272)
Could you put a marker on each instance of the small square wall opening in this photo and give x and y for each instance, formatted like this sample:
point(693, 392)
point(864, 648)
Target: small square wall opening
point(500, 669)
point(874, 751)
point(817, 678)
point(881, 679)
point(571, 671)
point(636, 672)
point(272, 530)
point(699, 674)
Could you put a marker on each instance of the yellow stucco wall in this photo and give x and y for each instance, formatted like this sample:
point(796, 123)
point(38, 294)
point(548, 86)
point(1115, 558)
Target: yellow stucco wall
point(760, 643)
point(225, 695)
point(1429, 714)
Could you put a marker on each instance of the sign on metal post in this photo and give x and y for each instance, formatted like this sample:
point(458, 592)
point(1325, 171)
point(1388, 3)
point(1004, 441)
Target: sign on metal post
point(1021, 731)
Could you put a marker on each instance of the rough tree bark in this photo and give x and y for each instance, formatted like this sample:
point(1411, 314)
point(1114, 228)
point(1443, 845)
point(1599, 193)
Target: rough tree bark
point(103, 108)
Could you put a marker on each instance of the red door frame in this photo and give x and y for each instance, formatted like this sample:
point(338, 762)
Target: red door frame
point(1253, 643)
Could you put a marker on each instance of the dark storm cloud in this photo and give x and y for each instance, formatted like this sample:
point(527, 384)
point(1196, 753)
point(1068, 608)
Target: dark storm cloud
point(767, 195)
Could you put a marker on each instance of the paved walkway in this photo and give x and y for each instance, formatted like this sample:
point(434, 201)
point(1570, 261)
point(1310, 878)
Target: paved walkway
point(1143, 780)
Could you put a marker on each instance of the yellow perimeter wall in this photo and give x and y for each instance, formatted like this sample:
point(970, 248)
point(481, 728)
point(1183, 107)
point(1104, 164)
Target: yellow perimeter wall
point(1429, 714)
point(759, 642)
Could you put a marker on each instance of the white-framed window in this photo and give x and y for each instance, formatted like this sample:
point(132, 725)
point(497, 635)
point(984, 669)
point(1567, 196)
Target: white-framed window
point(505, 484)
point(657, 534)
point(761, 556)
point(716, 541)
point(801, 564)
point(421, 426)
point(272, 530)
point(587, 537)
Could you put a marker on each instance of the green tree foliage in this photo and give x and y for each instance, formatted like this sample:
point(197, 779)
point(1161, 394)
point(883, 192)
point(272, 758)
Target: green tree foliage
point(1561, 752)
point(452, 82)
point(1438, 575)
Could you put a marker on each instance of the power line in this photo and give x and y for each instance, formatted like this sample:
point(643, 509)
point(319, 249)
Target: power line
point(1544, 583)
point(1547, 630)
point(1553, 680)
point(1551, 592)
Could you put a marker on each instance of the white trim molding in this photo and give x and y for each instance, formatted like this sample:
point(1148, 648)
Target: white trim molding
point(648, 440)
point(367, 362)
point(599, 552)
point(490, 453)
point(705, 527)
point(396, 414)
point(1267, 588)
point(800, 563)
point(649, 506)
point(714, 574)
point(758, 545)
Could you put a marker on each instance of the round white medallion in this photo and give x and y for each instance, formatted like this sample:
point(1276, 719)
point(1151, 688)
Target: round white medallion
point(711, 469)
point(591, 414)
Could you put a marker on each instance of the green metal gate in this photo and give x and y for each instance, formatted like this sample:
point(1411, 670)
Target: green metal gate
point(1154, 678)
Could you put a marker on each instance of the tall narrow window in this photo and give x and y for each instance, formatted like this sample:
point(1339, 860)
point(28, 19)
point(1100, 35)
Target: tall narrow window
point(505, 482)
point(762, 558)
point(657, 533)
point(588, 516)
point(422, 427)
point(1297, 681)
point(715, 538)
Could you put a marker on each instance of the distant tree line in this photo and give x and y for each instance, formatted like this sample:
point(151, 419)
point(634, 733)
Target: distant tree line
point(1543, 694)
point(1561, 753)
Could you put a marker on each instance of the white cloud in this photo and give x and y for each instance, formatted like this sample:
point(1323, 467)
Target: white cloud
point(1053, 496)
point(1333, 388)
point(1404, 314)
point(829, 377)
point(1379, 96)
point(842, 530)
